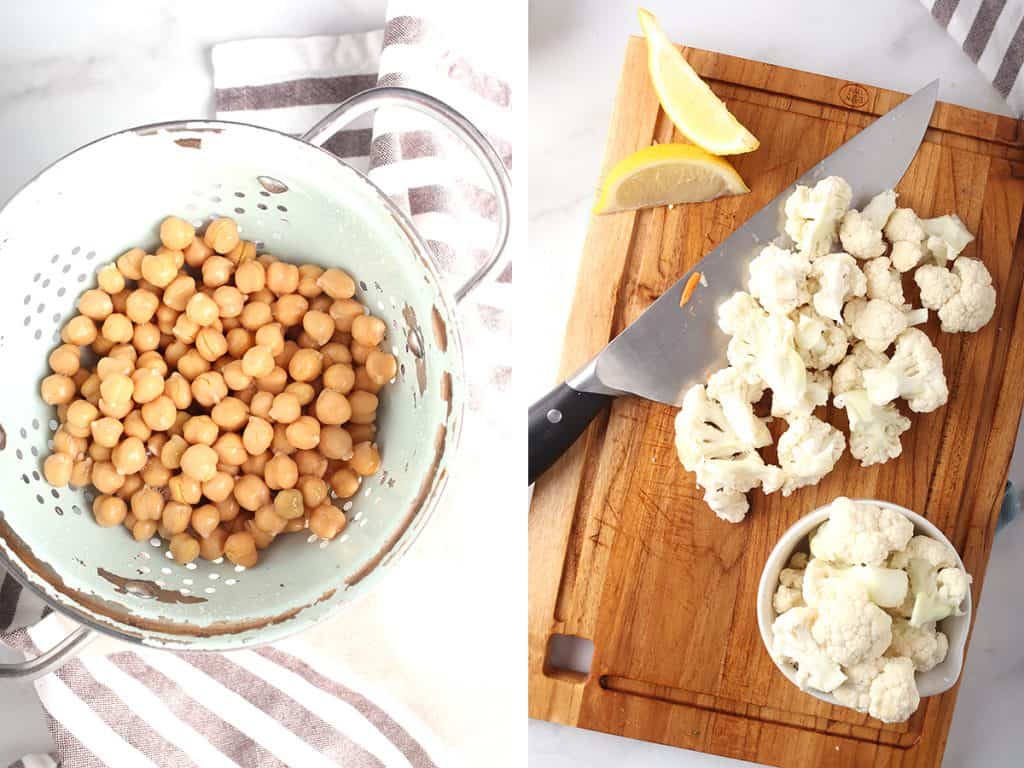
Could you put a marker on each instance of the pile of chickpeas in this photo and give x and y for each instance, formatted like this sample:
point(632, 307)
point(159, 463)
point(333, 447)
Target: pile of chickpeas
point(216, 397)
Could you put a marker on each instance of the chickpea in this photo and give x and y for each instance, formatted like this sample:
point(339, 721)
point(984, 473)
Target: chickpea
point(95, 304)
point(153, 361)
point(172, 451)
point(57, 469)
point(199, 462)
point(129, 263)
point(308, 276)
point(147, 385)
point(365, 459)
point(176, 233)
point(159, 414)
point(212, 547)
point(134, 426)
point(304, 433)
point(368, 330)
point(314, 491)
point(129, 456)
point(287, 353)
point(80, 331)
point(200, 430)
point(192, 365)
point(240, 549)
point(257, 436)
point(219, 487)
point(155, 474)
point(176, 516)
point(305, 365)
point(281, 472)
point(344, 312)
point(282, 278)
point(310, 462)
point(106, 431)
point(98, 452)
point(156, 442)
point(184, 329)
point(105, 477)
point(174, 351)
point(381, 367)
point(335, 352)
point(255, 315)
point(268, 521)
point(332, 408)
point(257, 361)
point(144, 529)
point(81, 472)
point(286, 408)
point(230, 413)
point(261, 537)
point(209, 389)
point(217, 271)
point(319, 326)
point(230, 450)
point(146, 337)
point(320, 304)
point(184, 548)
point(110, 280)
point(360, 353)
point(251, 492)
point(178, 391)
point(117, 389)
point(102, 346)
point(184, 489)
point(299, 523)
point(205, 519)
point(211, 344)
point(63, 442)
point(147, 504)
point(229, 301)
point(327, 521)
point(337, 284)
point(250, 277)
point(335, 443)
point(196, 253)
point(221, 235)
point(261, 404)
point(159, 269)
point(363, 405)
point(57, 389)
point(178, 427)
point(290, 309)
point(66, 360)
point(109, 511)
point(302, 391)
point(280, 443)
point(110, 365)
point(117, 328)
point(81, 414)
point(345, 483)
point(179, 291)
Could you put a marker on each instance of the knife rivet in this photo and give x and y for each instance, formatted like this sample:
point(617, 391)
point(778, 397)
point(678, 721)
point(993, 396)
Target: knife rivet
point(554, 415)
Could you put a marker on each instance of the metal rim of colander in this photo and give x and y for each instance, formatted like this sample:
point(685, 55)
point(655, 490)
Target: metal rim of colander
point(274, 632)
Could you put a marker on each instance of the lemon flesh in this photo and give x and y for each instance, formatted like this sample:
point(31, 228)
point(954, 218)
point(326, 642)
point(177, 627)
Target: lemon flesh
point(688, 101)
point(666, 174)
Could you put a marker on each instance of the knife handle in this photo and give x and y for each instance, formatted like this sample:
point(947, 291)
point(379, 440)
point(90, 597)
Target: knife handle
point(556, 421)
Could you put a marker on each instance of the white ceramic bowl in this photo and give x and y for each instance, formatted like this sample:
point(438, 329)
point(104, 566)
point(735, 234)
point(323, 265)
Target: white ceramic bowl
point(937, 680)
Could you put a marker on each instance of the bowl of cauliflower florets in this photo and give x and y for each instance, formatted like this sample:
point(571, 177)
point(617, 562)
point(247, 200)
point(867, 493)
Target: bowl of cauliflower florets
point(867, 605)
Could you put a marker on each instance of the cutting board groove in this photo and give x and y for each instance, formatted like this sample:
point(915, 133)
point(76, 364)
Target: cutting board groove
point(623, 551)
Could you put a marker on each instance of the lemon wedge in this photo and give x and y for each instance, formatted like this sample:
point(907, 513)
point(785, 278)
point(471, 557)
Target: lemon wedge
point(666, 174)
point(688, 101)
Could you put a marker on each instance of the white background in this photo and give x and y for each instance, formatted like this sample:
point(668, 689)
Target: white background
point(576, 54)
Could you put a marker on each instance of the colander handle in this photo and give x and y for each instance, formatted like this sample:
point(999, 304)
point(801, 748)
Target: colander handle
point(457, 124)
point(49, 660)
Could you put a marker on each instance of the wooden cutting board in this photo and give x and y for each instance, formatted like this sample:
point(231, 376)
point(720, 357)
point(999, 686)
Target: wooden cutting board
point(624, 553)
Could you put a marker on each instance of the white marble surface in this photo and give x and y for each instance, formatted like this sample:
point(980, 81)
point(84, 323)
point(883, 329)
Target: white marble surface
point(576, 49)
point(71, 72)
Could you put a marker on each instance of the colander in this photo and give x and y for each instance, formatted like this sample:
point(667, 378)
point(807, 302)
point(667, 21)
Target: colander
point(301, 203)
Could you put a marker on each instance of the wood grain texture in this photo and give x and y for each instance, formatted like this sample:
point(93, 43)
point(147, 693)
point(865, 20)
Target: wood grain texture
point(622, 549)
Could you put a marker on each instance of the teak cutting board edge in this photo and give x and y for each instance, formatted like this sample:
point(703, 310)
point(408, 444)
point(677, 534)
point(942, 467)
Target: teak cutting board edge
point(622, 550)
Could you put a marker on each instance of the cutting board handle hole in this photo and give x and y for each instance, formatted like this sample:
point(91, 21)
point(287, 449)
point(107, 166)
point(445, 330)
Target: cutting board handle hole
point(568, 658)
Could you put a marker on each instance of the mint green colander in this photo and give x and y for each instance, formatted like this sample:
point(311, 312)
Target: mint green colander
point(300, 203)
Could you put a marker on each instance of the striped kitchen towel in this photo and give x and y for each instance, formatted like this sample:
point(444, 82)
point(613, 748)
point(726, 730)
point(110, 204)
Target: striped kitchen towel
point(991, 33)
point(284, 705)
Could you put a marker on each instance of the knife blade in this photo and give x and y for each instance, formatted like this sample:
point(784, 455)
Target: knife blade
point(668, 349)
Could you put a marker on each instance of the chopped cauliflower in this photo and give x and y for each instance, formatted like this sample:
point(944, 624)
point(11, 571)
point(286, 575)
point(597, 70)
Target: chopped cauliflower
point(737, 395)
point(819, 384)
point(907, 236)
point(883, 281)
point(822, 580)
point(808, 450)
point(790, 591)
point(947, 237)
point(874, 429)
point(964, 297)
point(877, 323)
point(893, 696)
point(839, 279)
point(793, 643)
point(860, 533)
point(934, 552)
point(937, 583)
point(861, 231)
point(855, 693)
point(923, 645)
point(813, 215)
point(914, 373)
point(820, 342)
point(849, 374)
point(851, 631)
point(778, 279)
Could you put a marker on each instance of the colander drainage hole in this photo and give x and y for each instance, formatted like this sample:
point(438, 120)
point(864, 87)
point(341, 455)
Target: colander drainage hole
point(165, 571)
point(209, 590)
point(190, 566)
point(231, 582)
point(168, 554)
point(76, 250)
point(28, 300)
point(239, 569)
point(185, 591)
point(187, 582)
point(213, 576)
point(76, 509)
point(38, 334)
point(154, 542)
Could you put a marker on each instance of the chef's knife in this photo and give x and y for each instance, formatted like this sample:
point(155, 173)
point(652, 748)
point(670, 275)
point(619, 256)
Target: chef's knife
point(668, 349)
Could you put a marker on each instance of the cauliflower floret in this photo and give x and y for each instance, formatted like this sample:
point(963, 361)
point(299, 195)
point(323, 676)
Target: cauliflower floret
point(861, 231)
point(907, 236)
point(856, 691)
point(799, 560)
point(965, 298)
point(789, 593)
point(778, 279)
point(885, 587)
point(792, 643)
point(883, 281)
point(947, 237)
point(808, 450)
point(914, 373)
point(726, 466)
point(740, 315)
point(934, 552)
point(857, 533)
point(849, 374)
point(877, 323)
point(813, 215)
point(736, 396)
point(906, 254)
point(820, 342)
point(816, 391)
point(839, 280)
point(924, 646)
point(893, 696)
point(937, 583)
point(874, 429)
point(852, 631)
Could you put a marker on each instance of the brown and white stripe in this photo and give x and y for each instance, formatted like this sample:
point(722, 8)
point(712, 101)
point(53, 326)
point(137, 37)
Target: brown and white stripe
point(264, 708)
point(991, 33)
